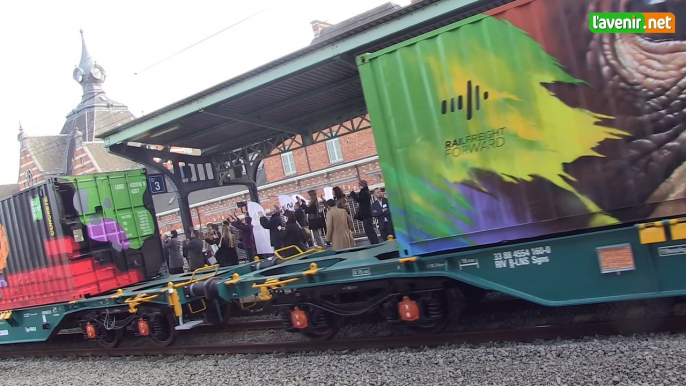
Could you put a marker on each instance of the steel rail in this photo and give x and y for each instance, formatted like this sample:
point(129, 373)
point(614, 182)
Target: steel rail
point(264, 324)
point(526, 334)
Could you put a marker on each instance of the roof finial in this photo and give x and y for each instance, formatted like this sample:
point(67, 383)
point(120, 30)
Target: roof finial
point(21, 137)
point(86, 61)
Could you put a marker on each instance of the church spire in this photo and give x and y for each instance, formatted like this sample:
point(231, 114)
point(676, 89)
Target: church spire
point(88, 72)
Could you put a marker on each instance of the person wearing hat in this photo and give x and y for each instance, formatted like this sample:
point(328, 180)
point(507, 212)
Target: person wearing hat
point(364, 212)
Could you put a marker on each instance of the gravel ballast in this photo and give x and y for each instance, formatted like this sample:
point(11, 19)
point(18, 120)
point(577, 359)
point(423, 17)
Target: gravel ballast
point(638, 360)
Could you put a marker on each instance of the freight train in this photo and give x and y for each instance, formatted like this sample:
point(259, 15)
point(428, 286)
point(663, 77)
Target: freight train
point(522, 153)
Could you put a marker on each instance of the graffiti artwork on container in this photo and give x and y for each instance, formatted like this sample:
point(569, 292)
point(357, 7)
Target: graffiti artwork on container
point(4, 254)
point(100, 228)
point(525, 133)
point(133, 223)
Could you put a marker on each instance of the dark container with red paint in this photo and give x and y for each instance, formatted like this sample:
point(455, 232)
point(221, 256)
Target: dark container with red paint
point(77, 236)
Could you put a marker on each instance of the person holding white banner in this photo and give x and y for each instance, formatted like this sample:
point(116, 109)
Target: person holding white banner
point(261, 235)
point(286, 202)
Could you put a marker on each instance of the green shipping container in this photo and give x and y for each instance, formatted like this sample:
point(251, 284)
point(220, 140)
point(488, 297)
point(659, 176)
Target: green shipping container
point(522, 123)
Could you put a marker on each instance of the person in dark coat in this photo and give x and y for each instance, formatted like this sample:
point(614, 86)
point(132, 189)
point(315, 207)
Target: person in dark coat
point(292, 234)
point(382, 212)
point(175, 257)
point(300, 215)
point(301, 218)
point(314, 219)
point(226, 255)
point(193, 249)
point(247, 236)
point(165, 251)
point(273, 224)
point(364, 212)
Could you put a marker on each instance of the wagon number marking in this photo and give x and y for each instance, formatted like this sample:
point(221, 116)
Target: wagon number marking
point(361, 272)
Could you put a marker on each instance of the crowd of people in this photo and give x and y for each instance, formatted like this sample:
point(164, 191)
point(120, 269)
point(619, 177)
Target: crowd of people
point(301, 227)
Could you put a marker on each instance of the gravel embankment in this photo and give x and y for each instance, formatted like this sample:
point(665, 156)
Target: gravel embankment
point(641, 360)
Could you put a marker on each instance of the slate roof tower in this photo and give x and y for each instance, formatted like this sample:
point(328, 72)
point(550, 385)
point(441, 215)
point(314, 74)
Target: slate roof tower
point(96, 113)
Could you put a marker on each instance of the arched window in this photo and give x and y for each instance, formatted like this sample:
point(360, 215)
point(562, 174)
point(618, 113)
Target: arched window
point(29, 177)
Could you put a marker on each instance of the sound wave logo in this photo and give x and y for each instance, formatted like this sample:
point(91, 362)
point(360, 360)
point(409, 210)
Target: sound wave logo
point(473, 100)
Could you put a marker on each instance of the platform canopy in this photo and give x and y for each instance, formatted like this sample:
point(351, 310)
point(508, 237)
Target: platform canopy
point(302, 93)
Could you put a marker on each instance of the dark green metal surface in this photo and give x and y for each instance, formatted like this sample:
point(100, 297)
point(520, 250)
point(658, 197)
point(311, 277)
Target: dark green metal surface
point(37, 324)
point(554, 272)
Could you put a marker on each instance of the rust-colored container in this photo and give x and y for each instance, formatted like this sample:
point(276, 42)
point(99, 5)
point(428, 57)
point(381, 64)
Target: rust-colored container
point(77, 236)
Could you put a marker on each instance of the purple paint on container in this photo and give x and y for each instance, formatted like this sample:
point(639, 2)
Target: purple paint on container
point(104, 230)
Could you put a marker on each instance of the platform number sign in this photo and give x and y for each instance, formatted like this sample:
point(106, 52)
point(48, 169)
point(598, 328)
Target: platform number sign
point(157, 183)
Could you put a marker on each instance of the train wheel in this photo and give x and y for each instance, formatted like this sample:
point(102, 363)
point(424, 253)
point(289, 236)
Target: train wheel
point(325, 325)
point(212, 315)
point(164, 330)
point(451, 303)
point(110, 338)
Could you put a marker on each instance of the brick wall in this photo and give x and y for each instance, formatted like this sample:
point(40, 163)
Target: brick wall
point(83, 164)
point(353, 147)
point(27, 162)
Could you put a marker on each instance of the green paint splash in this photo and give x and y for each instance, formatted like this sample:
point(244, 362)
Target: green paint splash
point(541, 133)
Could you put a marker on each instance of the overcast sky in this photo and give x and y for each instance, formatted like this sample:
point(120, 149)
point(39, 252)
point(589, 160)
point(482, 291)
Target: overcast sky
point(133, 40)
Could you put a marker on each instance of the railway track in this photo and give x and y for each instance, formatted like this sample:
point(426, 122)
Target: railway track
point(265, 324)
point(527, 334)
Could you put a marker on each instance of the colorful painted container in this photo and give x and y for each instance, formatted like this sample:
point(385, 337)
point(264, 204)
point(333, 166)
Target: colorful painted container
point(77, 236)
point(522, 123)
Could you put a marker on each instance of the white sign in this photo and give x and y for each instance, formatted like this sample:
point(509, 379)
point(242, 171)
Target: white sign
point(287, 202)
point(263, 242)
point(328, 193)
